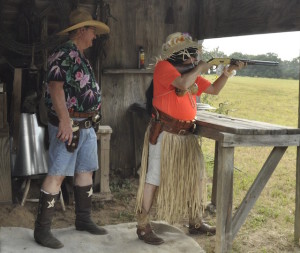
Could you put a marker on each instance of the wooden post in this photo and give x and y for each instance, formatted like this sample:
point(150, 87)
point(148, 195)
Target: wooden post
point(297, 197)
point(224, 199)
point(5, 178)
point(102, 175)
point(16, 105)
point(5, 171)
point(215, 176)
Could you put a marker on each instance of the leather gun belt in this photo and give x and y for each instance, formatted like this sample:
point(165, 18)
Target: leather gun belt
point(172, 125)
point(83, 124)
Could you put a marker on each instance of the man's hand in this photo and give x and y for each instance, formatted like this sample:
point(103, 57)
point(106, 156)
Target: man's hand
point(65, 132)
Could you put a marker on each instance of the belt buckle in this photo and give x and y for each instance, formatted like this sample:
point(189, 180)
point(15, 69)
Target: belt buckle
point(87, 124)
point(182, 132)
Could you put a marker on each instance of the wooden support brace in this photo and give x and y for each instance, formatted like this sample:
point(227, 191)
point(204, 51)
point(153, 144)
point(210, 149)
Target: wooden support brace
point(256, 188)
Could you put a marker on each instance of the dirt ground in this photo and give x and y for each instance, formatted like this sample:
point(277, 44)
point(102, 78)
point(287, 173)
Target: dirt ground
point(121, 210)
point(118, 210)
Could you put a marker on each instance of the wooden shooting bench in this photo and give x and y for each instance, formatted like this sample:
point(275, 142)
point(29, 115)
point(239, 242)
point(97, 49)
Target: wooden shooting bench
point(229, 133)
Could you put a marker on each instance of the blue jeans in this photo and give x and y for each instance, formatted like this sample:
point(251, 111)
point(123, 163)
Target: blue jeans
point(84, 159)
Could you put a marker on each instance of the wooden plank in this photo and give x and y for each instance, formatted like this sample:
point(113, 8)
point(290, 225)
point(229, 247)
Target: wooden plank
point(235, 140)
point(5, 171)
point(1, 110)
point(224, 199)
point(256, 188)
point(5, 111)
point(228, 124)
point(16, 105)
point(122, 83)
point(215, 118)
point(119, 93)
point(210, 133)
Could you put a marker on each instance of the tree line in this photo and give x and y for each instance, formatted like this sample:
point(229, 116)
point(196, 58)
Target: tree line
point(284, 70)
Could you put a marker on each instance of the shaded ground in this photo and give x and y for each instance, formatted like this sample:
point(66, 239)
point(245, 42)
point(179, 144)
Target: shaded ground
point(121, 210)
point(118, 210)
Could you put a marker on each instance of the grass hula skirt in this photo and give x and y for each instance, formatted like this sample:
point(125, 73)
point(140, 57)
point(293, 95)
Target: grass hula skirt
point(182, 190)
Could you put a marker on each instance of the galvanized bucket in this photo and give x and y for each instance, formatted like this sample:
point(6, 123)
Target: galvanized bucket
point(32, 157)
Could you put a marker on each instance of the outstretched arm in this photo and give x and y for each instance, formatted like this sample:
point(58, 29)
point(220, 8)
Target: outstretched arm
point(218, 85)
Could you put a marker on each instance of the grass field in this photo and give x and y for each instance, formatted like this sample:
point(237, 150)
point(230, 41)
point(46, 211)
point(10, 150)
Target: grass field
point(270, 225)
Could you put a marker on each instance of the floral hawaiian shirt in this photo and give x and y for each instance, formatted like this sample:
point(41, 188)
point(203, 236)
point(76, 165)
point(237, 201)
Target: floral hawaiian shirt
point(82, 92)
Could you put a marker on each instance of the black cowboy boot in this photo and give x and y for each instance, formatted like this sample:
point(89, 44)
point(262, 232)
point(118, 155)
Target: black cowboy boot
point(83, 207)
point(144, 230)
point(42, 232)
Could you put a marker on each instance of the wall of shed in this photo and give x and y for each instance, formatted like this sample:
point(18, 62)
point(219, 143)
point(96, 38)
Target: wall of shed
point(139, 23)
point(143, 23)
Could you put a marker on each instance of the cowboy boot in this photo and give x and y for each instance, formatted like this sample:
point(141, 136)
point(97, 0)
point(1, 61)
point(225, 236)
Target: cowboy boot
point(198, 226)
point(42, 233)
point(144, 230)
point(83, 207)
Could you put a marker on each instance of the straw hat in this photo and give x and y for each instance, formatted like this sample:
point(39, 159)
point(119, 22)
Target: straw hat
point(176, 42)
point(80, 18)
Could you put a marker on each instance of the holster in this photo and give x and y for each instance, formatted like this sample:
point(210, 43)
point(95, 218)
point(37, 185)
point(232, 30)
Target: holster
point(155, 130)
point(74, 144)
point(93, 121)
point(163, 122)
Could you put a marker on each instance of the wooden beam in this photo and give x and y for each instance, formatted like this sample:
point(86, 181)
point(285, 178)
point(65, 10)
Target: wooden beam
point(235, 140)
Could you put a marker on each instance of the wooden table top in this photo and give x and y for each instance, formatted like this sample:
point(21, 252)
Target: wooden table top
point(227, 124)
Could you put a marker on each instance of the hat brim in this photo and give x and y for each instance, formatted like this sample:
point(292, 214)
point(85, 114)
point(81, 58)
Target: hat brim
point(101, 28)
point(176, 48)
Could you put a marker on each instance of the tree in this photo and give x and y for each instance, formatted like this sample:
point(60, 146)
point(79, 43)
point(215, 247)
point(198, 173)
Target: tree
point(285, 69)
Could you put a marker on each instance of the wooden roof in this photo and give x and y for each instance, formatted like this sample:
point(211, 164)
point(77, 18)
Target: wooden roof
point(219, 18)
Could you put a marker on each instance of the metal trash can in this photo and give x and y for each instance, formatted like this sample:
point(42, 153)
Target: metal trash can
point(32, 157)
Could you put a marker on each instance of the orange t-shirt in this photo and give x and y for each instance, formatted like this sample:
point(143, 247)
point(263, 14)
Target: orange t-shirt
point(165, 98)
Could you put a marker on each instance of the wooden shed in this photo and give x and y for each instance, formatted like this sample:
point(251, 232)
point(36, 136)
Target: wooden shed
point(27, 32)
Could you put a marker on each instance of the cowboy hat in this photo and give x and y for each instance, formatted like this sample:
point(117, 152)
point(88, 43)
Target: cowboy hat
point(80, 18)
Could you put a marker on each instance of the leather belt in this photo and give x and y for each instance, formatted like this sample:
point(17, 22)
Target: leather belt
point(173, 125)
point(82, 114)
point(83, 124)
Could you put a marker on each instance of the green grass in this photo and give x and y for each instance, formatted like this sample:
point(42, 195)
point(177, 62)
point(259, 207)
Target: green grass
point(272, 218)
point(270, 100)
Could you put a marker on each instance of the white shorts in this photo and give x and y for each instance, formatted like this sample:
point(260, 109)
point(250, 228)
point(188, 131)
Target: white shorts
point(153, 172)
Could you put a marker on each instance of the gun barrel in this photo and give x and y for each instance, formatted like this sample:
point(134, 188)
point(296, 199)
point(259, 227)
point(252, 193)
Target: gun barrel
point(256, 62)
